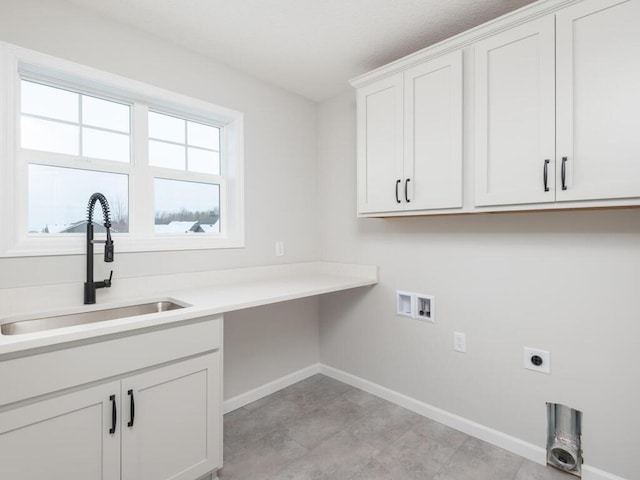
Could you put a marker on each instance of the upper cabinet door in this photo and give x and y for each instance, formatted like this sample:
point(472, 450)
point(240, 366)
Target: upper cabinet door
point(380, 149)
point(433, 134)
point(515, 115)
point(598, 88)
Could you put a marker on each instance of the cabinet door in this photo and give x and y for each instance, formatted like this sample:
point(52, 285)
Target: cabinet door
point(379, 124)
point(433, 134)
point(515, 115)
point(598, 87)
point(171, 422)
point(63, 438)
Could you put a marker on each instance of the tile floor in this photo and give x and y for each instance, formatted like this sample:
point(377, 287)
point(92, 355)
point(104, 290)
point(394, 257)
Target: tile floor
point(321, 429)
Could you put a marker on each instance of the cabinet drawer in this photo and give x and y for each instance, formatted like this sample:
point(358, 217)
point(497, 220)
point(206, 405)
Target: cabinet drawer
point(48, 372)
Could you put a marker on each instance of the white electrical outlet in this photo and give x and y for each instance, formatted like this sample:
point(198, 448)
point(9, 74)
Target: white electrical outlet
point(279, 248)
point(537, 360)
point(459, 342)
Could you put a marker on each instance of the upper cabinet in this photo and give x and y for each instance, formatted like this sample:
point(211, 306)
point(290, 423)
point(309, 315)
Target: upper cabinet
point(552, 97)
point(433, 134)
point(515, 115)
point(410, 139)
point(575, 70)
point(598, 100)
point(380, 145)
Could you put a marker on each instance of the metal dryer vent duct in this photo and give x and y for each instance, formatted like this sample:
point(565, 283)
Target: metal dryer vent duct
point(564, 427)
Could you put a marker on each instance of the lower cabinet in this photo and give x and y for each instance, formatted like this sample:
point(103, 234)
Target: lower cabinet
point(63, 438)
point(162, 424)
point(171, 421)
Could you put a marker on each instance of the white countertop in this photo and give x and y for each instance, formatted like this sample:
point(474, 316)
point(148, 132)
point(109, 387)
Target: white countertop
point(207, 293)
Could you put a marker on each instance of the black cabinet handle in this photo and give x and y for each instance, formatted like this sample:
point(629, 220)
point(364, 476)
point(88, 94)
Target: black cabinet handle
point(563, 173)
point(397, 184)
point(132, 403)
point(546, 175)
point(114, 414)
point(406, 194)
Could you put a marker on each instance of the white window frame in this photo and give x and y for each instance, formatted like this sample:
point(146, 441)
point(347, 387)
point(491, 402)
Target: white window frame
point(15, 241)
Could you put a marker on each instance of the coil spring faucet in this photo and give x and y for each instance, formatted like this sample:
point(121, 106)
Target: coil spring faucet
point(90, 286)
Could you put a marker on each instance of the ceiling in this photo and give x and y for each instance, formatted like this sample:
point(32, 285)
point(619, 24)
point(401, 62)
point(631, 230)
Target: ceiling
point(310, 47)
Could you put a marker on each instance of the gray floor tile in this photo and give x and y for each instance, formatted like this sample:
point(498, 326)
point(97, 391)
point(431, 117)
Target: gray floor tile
point(479, 460)
point(415, 457)
point(257, 460)
point(247, 426)
point(315, 392)
point(340, 457)
point(534, 471)
point(233, 424)
point(312, 429)
point(383, 425)
point(364, 399)
point(439, 433)
point(372, 471)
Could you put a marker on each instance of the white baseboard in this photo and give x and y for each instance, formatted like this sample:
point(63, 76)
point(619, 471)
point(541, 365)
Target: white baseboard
point(246, 398)
point(489, 435)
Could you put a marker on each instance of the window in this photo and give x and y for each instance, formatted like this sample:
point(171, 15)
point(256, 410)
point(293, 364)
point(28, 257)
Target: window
point(62, 121)
point(170, 166)
point(183, 145)
point(58, 198)
point(178, 203)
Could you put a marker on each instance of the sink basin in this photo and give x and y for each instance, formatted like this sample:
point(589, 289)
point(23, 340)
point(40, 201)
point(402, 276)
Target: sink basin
point(69, 320)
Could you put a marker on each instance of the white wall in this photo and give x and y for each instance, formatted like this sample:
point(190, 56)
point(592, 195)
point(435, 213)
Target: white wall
point(567, 282)
point(280, 339)
point(280, 151)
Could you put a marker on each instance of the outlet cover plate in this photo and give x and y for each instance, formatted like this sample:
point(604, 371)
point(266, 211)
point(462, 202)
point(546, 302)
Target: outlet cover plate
point(544, 357)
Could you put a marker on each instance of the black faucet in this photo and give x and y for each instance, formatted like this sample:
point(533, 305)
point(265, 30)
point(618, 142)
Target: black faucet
point(90, 286)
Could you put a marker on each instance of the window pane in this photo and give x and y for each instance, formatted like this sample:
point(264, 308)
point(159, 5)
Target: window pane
point(167, 155)
point(204, 161)
point(186, 207)
point(164, 127)
point(105, 114)
point(58, 199)
point(49, 136)
point(105, 145)
point(204, 136)
point(49, 102)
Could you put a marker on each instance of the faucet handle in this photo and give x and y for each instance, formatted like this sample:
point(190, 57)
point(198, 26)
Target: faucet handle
point(108, 251)
point(107, 282)
point(108, 244)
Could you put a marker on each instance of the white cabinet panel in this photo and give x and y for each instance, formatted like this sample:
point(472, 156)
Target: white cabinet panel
point(598, 88)
point(410, 139)
point(380, 144)
point(176, 430)
point(515, 115)
point(433, 134)
point(65, 438)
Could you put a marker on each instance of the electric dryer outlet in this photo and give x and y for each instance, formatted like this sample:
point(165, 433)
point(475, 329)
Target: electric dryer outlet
point(537, 360)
